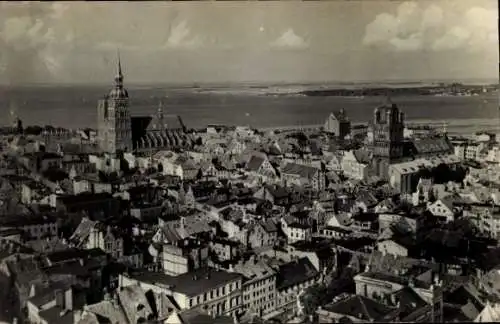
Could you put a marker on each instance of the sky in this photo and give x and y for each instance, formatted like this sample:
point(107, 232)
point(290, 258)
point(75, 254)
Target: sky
point(289, 41)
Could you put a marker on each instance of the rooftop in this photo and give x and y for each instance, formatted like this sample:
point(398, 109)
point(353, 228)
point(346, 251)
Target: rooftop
point(361, 308)
point(192, 283)
point(294, 273)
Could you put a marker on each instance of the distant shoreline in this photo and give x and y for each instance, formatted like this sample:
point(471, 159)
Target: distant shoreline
point(319, 85)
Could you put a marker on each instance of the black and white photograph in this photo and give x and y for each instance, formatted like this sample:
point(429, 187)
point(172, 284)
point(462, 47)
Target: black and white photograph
point(244, 162)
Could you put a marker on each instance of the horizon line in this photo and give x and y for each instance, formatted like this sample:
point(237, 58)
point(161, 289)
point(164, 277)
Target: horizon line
point(256, 82)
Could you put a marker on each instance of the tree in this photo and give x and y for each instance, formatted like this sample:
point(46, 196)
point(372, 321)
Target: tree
point(312, 298)
point(441, 174)
point(432, 196)
point(199, 174)
point(124, 165)
point(33, 130)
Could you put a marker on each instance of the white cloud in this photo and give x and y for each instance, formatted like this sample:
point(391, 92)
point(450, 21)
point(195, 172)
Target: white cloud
point(453, 38)
point(412, 43)
point(59, 9)
point(432, 17)
point(476, 31)
point(413, 28)
point(34, 43)
point(51, 61)
point(180, 37)
point(383, 28)
point(290, 40)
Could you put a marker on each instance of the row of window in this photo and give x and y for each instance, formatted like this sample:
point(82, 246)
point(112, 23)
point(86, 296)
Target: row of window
point(259, 283)
point(215, 293)
point(257, 303)
point(41, 229)
point(332, 233)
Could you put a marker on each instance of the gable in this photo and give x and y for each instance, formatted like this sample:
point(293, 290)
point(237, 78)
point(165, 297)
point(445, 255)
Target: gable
point(439, 206)
point(393, 244)
point(349, 157)
point(174, 318)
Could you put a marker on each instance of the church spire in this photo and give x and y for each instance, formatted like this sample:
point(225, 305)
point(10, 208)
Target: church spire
point(118, 92)
point(119, 76)
point(160, 107)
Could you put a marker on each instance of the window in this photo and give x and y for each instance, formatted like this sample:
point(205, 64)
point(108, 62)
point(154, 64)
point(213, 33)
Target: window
point(108, 246)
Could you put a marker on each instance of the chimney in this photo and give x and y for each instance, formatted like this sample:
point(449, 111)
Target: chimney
point(394, 301)
point(115, 301)
point(59, 294)
point(68, 299)
point(107, 296)
point(77, 316)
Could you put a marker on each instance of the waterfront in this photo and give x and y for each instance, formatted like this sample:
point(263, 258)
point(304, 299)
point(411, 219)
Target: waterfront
point(74, 107)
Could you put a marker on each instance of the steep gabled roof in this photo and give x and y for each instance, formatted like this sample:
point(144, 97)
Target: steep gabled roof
point(295, 272)
point(82, 232)
point(361, 308)
point(255, 163)
point(303, 171)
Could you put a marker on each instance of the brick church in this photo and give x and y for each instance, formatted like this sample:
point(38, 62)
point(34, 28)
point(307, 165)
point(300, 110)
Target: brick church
point(389, 145)
point(119, 132)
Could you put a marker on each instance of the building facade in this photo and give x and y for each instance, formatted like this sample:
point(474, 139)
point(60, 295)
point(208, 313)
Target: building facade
point(119, 132)
point(114, 122)
point(338, 124)
point(388, 138)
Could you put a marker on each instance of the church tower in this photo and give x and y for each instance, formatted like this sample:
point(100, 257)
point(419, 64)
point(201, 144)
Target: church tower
point(113, 119)
point(388, 137)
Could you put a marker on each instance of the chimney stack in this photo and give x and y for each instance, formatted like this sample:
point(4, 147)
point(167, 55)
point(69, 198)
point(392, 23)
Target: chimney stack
point(59, 294)
point(68, 299)
point(77, 316)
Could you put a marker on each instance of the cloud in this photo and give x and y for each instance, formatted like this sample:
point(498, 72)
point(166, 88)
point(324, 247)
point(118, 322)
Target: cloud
point(413, 28)
point(32, 48)
point(456, 37)
point(59, 9)
point(180, 37)
point(290, 40)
